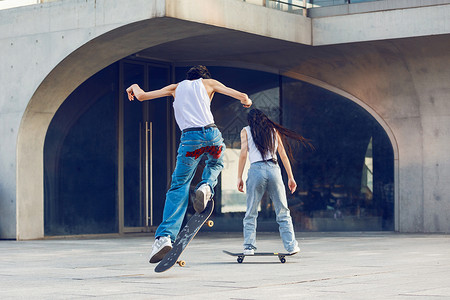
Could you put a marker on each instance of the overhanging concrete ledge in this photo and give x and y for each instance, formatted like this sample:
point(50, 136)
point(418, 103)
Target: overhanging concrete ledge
point(360, 26)
point(242, 16)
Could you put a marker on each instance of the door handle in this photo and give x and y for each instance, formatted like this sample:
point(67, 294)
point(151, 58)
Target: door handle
point(149, 174)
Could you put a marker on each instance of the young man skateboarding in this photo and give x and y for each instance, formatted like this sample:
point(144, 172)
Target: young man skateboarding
point(200, 136)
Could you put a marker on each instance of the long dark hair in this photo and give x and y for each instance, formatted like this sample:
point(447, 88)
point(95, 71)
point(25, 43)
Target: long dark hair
point(197, 72)
point(263, 133)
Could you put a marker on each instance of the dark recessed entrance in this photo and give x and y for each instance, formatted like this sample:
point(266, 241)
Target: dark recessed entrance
point(108, 161)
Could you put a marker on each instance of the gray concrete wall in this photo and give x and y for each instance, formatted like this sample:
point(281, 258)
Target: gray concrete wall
point(371, 6)
point(35, 39)
point(53, 47)
point(405, 82)
point(381, 25)
point(431, 77)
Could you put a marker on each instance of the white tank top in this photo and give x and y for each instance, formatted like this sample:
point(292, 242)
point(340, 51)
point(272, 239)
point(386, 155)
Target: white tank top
point(253, 154)
point(192, 105)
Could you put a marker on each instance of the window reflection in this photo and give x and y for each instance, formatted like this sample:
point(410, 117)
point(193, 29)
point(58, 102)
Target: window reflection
point(232, 200)
point(80, 160)
point(342, 182)
point(346, 184)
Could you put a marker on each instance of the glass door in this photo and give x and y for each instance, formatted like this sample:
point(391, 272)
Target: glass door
point(133, 206)
point(136, 148)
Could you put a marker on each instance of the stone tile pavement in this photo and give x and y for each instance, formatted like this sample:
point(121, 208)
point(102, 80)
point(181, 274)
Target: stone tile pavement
point(330, 266)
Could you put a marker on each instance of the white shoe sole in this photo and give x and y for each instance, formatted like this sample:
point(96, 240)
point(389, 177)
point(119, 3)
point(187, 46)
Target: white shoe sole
point(158, 256)
point(294, 252)
point(200, 201)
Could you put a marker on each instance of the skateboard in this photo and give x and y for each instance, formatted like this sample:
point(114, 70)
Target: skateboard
point(185, 237)
point(241, 256)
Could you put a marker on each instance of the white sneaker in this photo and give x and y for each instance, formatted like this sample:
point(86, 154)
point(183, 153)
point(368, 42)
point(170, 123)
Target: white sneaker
point(295, 251)
point(202, 196)
point(249, 251)
point(162, 245)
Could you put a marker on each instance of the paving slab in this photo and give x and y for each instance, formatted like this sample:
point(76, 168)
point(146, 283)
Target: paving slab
point(330, 266)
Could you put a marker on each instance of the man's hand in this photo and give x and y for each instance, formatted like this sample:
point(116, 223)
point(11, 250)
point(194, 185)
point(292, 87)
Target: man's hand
point(247, 102)
point(130, 93)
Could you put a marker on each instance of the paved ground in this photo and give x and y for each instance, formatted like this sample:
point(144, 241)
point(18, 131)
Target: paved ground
point(330, 266)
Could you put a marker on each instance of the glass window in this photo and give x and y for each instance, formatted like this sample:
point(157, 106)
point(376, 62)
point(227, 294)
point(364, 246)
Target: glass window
point(133, 115)
point(80, 160)
point(145, 146)
point(231, 118)
point(341, 184)
point(345, 184)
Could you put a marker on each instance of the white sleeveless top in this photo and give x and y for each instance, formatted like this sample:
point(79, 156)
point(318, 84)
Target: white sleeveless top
point(192, 105)
point(253, 154)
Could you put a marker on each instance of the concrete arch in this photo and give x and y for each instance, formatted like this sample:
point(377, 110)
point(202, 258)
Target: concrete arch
point(161, 38)
point(57, 86)
point(85, 61)
point(354, 99)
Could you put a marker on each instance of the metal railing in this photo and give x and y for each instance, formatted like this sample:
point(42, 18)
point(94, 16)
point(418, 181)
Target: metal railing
point(300, 6)
point(321, 3)
point(292, 6)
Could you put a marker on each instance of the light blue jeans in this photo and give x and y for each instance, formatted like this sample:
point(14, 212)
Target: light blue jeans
point(193, 145)
point(262, 177)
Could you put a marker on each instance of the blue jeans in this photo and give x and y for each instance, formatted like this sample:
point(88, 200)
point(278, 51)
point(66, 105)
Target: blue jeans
point(193, 145)
point(266, 177)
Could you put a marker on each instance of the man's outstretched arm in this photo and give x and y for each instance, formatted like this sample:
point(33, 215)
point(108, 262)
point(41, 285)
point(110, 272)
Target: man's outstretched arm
point(216, 86)
point(135, 91)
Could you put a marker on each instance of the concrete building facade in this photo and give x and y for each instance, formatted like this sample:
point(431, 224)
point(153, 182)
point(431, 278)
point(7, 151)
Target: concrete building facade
point(390, 58)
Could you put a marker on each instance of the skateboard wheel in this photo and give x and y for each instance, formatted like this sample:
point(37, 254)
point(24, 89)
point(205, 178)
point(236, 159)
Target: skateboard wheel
point(210, 223)
point(283, 260)
point(240, 259)
point(181, 263)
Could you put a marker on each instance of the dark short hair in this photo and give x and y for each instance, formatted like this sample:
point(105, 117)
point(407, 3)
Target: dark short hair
point(197, 72)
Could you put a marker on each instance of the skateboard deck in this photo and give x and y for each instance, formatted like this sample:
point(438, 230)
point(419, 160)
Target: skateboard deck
point(185, 237)
point(241, 256)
